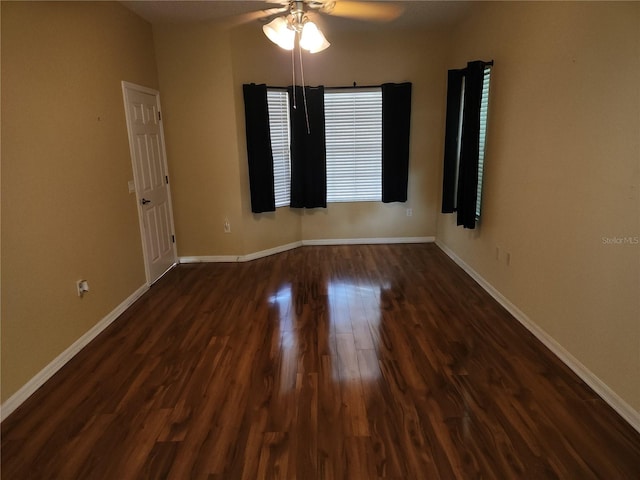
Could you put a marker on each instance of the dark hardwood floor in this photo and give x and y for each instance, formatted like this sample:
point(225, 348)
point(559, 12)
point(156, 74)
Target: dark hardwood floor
point(348, 362)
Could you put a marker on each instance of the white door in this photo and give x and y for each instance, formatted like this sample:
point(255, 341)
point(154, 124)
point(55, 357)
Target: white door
point(148, 155)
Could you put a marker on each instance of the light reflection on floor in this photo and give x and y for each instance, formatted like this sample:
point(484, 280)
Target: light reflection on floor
point(353, 312)
point(282, 302)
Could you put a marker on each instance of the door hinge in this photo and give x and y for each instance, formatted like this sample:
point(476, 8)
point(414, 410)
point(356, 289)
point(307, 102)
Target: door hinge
point(166, 179)
point(159, 115)
point(173, 238)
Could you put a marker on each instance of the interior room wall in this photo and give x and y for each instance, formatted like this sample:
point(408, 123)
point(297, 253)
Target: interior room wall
point(253, 63)
point(202, 69)
point(196, 78)
point(561, 211)
point(66, 210)
point(391, 56)
point(371, 59)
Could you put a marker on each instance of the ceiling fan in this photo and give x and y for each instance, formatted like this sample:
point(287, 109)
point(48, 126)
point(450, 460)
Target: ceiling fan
point(292, 20)
point(293, 26)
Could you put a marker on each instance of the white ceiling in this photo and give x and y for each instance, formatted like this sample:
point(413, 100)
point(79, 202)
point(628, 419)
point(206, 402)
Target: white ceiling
point(417, 14)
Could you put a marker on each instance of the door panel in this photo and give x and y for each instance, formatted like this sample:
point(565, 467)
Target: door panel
point(151, 179)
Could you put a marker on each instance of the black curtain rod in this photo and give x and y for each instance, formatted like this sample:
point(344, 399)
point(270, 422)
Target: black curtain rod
point(353, 86)
point(489, 63)
point(331, 88)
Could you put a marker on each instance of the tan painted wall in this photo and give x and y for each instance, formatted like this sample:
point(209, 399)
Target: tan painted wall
point(202, 69)
point(66, 210)
point(562, 175)
point(194, 64)
point(368, 60)
point(254, 63)
point(394, 56)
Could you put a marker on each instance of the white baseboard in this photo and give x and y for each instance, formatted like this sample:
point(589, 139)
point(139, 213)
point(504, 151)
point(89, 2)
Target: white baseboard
point(291, 246)
point(602, 389)
point(368, 241)
point(210, 259)
point(240, 258)
point(29, 388)
point(271, 251)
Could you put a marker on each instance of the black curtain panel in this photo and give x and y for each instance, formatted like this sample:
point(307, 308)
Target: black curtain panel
point(470, 145)
point(308, 150)
point(259, 154)
point(454, 93)
point(465, 83)
point(396, 126)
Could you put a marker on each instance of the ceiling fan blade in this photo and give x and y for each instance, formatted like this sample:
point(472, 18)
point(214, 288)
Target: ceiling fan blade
point(375, 11)
point(236, 20)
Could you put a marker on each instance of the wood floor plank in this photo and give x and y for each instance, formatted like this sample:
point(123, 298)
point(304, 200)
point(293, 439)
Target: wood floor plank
point(274, 457)
point(358, 362)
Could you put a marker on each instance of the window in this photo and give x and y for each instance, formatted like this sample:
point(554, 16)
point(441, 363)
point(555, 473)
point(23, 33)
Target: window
point(375, 169)
point(484, 109)
point(465, 141)
point(278, 102)
point(353, 130)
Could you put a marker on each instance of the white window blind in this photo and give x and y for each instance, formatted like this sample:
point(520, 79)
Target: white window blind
point(278, 102)
point(484, 109)
point(353, 131)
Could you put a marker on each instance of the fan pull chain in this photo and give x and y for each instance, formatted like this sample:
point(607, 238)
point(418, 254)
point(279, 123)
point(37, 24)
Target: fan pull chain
point(304, 93)
point(293, 68)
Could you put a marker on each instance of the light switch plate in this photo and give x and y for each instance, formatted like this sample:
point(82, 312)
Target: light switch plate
point(132, 186)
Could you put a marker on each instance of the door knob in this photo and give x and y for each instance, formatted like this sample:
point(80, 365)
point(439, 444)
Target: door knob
point(145, 201)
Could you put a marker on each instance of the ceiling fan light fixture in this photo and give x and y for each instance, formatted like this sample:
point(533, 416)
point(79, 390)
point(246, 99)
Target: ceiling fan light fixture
point(278, 31)
point(312, 38)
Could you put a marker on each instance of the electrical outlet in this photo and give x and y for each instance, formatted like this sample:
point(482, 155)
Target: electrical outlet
point(227, 226)
point(409, 212)
point(82, 287)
